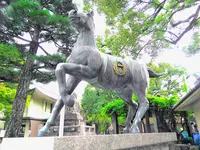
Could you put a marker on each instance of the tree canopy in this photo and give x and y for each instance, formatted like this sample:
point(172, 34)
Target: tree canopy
point(145, 25)
point(171, 83)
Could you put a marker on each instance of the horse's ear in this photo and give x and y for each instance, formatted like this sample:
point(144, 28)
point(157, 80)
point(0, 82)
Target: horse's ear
point(91, 13)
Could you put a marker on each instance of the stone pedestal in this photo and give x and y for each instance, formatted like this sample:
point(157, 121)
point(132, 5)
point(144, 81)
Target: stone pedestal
point(144, 141)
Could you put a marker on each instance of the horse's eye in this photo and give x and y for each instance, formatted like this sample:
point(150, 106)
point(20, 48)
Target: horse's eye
point(75, 11)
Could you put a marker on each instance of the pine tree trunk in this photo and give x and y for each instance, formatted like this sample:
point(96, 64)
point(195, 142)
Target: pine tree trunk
point(16, 118)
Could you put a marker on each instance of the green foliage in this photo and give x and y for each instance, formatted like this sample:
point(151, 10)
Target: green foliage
point(117, 106)
point(7, 95)
point(162, 102)
point(28, 100)
point(189, 2)
point(6, 99)
point(171, 83)
point(92, 103)
point(53, 59)
point(11, 61)
point(87, 6)
point(136, 26)
point(30, 13)
point(194, 47)
point(10, 54)
point(57, 18)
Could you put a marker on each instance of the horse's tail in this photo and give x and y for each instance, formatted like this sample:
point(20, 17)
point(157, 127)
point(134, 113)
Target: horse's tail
point(152, 74)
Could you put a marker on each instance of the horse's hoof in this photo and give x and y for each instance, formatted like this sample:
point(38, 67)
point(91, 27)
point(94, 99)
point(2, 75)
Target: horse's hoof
point(72, 100)
point(42, 132)
point(135, 130)
point(69, 101)
point(126, 131)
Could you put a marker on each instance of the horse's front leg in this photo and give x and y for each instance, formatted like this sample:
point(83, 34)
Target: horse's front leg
point(66, 89)
point(80, 71)
point(72, 82)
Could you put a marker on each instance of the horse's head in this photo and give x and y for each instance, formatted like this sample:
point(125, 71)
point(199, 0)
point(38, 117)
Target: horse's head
point(82, 21)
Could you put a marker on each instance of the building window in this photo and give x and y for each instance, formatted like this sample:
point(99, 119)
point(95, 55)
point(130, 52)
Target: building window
point(51, 107)
point(45, 108)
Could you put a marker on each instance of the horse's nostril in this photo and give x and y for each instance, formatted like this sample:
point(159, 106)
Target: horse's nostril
point(75, 11)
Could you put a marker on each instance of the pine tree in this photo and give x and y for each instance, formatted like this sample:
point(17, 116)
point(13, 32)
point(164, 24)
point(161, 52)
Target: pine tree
point(43, 21)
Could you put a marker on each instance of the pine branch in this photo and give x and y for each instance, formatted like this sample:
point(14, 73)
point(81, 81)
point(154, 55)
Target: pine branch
point(137, 54)
point(4, 79)
point(21, 38)
point(44, 50)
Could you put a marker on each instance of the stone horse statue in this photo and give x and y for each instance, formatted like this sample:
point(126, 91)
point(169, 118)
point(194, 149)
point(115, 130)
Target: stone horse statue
point(86, 62)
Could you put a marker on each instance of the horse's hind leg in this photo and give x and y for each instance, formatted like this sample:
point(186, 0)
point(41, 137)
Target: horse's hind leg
point(72, 82)
point(51, 120)
point(126, 95)
point(143, 106)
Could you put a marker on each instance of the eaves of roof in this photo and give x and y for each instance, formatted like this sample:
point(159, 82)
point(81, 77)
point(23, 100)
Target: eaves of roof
point(197, 86)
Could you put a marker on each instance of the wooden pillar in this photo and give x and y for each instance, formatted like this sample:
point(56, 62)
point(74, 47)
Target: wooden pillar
point(62, 121)
point(115, 123)
point(155, 124)
point(26, 128)
point(197, 116)
point(147, 125)
point(34, 127)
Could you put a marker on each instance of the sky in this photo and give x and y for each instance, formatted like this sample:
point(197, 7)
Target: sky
point(174, 56)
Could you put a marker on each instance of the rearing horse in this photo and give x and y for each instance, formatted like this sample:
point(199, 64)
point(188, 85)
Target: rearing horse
point(86, 62)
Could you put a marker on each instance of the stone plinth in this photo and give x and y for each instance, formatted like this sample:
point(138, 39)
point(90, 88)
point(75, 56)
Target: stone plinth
point(94, 142)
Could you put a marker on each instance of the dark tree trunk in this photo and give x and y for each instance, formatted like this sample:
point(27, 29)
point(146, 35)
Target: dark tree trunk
point(147, 125)
point(115, 123)
point(162, 125)
point(173, 121)
point(16, 118)
point(187, 124)
point(106, 129)
point(97, 128)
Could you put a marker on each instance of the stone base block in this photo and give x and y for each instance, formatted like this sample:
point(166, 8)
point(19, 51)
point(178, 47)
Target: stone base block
point(154, 141)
